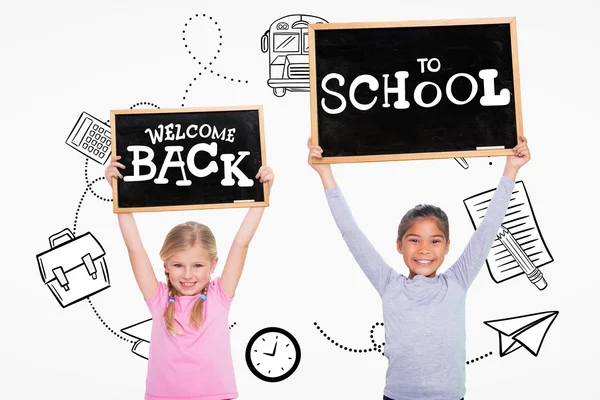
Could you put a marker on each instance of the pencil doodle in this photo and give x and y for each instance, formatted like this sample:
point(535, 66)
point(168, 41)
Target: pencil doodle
point(519, 255)
point(462, 162)
point(519, 247)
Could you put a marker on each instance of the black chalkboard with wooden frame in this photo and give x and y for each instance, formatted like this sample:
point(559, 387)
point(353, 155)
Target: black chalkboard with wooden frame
point(414, 90)
point(189, 158)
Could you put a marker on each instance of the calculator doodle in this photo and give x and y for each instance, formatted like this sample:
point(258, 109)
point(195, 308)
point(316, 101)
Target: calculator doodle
point(91, 137)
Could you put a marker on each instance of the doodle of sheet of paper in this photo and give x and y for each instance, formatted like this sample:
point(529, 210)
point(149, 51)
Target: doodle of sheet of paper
point(520, 221)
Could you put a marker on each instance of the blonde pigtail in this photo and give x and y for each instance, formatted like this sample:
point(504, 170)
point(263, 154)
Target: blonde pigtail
point(170, 311)
point(196, 317)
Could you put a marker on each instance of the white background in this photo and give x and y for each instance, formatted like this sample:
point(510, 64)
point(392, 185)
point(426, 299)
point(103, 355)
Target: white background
point(63, 57)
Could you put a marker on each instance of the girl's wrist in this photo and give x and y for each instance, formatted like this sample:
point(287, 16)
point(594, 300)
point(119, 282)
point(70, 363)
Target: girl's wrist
point(511, 172)
point(328, 180)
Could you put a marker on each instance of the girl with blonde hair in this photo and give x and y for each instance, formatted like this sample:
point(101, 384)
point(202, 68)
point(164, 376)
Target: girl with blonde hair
point(190, 351)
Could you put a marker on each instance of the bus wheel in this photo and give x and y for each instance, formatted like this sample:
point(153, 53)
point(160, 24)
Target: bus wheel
point(279, 92)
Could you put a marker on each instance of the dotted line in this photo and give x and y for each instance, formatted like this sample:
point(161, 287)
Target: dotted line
point(106, 326)
point(231, 326)
point(94, 193)
point(89, 184)
point(144, 103)
point(350, 349)
point(479, 358)
point(376, 346)
point(208, 68)
point(87, 180)
point(77, 212)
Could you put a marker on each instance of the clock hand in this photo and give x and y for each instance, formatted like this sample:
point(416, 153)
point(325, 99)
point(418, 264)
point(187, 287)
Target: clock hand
point(274, 349)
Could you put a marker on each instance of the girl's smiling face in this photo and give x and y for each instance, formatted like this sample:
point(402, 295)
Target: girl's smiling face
point(423, 247)
point(189, 271)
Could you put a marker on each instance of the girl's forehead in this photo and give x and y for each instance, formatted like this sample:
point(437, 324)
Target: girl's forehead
point(194, 253)
point(424, 223)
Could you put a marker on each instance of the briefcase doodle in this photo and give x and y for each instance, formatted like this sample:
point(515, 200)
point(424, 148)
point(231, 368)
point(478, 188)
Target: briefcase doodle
point(74, 267)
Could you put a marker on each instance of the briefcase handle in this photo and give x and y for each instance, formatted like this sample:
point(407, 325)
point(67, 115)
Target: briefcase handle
point(56, 236)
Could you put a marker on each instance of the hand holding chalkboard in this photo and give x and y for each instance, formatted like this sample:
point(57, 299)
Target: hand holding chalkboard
point(520, 156)
point(265, 175)
point(112, 171)
point(315, 153)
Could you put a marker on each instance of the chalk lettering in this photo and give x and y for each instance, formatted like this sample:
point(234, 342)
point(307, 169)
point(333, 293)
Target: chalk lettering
point(401, 103)
point(341, 82)
point(489, 98)
point(243, 181)
point(419, 94)
point(450, 95)
point(373, 85)
point(161, 180)
point(137, 162)
point(174, 159)
point(230, 137)
point(210, 168)
point(174, 132)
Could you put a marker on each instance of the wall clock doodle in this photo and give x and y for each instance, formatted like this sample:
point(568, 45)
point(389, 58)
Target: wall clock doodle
point(273, 354)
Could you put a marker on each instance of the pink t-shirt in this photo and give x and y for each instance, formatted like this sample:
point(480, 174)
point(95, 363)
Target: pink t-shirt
point(196, 365)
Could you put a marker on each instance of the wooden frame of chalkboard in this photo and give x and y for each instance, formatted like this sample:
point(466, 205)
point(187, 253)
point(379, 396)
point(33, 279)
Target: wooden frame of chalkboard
point(353, 59)
point(196, 180)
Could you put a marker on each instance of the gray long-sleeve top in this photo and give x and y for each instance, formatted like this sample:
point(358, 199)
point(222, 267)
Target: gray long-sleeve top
point(424, 318)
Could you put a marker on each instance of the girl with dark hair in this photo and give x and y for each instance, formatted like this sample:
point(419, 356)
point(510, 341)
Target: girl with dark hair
point(424, 313)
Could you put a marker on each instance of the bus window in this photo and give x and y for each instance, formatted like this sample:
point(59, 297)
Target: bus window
point(305, 41)
point(285, 42)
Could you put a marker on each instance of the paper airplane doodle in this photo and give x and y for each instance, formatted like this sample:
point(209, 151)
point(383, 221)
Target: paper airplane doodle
point(141, 333)
point(526, 331)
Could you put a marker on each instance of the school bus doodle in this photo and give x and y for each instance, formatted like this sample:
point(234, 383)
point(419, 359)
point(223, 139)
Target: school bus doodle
point(286, 41)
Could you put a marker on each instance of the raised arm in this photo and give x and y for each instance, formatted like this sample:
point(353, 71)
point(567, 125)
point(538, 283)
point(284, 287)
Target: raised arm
point(140, 263)
point(468, 265)
point(234, 265)
point(369, 260)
